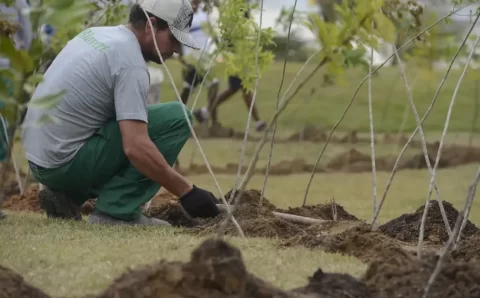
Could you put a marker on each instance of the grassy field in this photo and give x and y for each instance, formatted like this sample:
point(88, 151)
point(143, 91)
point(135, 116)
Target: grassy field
point(324, 107)
point(71, 259)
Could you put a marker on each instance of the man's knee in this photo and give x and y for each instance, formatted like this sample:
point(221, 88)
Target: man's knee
point(173, 112)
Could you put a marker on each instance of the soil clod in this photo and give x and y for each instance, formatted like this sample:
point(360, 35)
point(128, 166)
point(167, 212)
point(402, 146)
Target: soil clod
point(358, 241)
point(334, 285)
point(26, 202)
point(407, 277)
point(468, 249)
point(12, 285)
point(215, 269)
point(407, 226)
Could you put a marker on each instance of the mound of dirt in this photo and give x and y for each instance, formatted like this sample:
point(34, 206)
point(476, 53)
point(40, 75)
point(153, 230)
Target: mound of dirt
point(350, 138)
point(359, 241)
point(456, 155)
point(255, 220)
point(345, 159)
point(309, 133)
point(29, 202)
point(11, 184)
point(320, 211)
point(26, 202)
point(12, 285)
point(251, 198)
point(468, 249)
point(407, 226)
point(334, 285)
point(407, 277)
point(286, 167)
point(172, 212)
point(217, 269)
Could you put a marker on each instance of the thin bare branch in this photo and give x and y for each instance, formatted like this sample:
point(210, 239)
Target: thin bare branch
point(456, 232)
point(427, 113)
point(472, 190)
point(444, 134)
point(272, 142)
point(372, 136)
point(424, 148)
point(252, 104)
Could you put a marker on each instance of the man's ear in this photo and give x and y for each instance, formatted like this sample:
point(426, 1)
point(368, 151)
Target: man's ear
point(153, 22)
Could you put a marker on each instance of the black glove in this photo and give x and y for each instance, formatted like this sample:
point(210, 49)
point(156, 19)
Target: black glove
point(199, 203)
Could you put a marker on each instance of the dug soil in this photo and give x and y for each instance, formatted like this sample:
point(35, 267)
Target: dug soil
point(26, 202)
point(468, 249)
point(407, 276)
point(255, 220)
point(11, 184)
point(407, 226)
point(12, 285)
point(29, 202)
point(358, 241)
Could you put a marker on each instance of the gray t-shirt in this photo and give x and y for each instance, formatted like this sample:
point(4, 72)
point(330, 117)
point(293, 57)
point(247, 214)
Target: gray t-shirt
point(105, 77)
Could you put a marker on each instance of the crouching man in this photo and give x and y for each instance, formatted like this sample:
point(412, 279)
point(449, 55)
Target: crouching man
point(105, 141)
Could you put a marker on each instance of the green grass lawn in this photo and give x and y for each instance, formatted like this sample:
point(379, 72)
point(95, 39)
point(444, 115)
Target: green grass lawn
point(325, 106)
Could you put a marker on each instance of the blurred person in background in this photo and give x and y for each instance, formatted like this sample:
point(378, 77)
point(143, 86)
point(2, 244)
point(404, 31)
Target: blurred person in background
point(234, 85)
point(196, 62)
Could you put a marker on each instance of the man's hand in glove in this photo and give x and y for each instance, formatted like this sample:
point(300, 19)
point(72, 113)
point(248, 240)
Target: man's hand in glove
point(199, 203)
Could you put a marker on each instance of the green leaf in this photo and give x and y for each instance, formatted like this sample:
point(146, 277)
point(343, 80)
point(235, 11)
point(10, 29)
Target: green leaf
point(60, 4)
point(47, 102)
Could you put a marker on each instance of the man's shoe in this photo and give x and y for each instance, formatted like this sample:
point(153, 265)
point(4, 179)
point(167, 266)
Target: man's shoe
point(58, 205)
point(260, 125)
point(201, 115)
point(98, 217)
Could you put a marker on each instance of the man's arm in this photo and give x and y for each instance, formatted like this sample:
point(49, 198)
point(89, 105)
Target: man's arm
point(148, 160)
point(131, 89)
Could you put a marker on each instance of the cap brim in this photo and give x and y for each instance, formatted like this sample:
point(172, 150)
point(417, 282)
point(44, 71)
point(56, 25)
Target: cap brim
point(184, 38)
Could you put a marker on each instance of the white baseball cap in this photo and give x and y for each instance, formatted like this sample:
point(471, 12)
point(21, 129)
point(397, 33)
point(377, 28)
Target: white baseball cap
point(177, 13)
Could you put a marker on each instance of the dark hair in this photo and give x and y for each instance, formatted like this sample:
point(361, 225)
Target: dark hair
point(138, 19)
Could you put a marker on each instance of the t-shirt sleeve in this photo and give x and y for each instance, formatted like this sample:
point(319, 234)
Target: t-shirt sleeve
point(130, 93)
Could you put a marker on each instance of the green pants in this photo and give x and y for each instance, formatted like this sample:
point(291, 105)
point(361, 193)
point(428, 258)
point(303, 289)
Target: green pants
point(100, 168)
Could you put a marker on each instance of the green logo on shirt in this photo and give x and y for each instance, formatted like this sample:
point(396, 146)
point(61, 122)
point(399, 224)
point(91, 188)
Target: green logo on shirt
point(89, 37)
